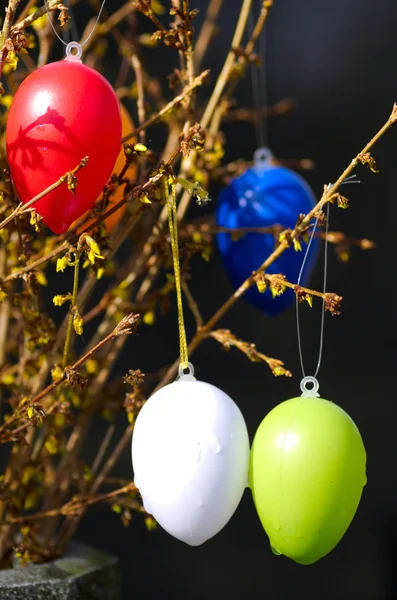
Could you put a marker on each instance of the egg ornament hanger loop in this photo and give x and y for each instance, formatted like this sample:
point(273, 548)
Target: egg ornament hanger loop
point(74, 52)
point(190, 445)
point(307, 469)
point(60, 114)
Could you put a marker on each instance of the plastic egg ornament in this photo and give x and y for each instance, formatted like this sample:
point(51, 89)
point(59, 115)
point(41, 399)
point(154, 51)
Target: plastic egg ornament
point(265, 195)
point(307, 473)
point(190, 455)
point(61, 113)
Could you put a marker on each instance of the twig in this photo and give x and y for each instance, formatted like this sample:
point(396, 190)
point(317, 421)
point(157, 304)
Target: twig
point(192, 304)
point(72, 311)
point(196, 83)
point(136, 65)
point(102, 449)
point(40, 12)
point(123, 328)
point(5, 32)
point(70, 527)
point(229, 64)
point(77, 504)
point(23, 208)
point(207, 31)
point(250, 115)
point(228, 340)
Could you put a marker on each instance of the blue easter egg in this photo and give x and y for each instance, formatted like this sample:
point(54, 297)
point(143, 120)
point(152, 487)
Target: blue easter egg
point(261, 197)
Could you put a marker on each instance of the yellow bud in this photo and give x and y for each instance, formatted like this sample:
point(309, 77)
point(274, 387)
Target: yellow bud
point(6, 100)
point(78, 323)
point(59, 421)
point(297, 245)
point(11, 63)
point(157, 7)
point(41, 278)
point(140, 148)
point(56, 372)
point(149, 318)
point(51, 445)
point(91, 365)
point(144, 198)
point(31, 500)
point(261, 285)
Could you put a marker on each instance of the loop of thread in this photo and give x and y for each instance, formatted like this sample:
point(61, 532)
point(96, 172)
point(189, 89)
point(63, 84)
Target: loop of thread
point(309, 392)
point(71, 57)
point(76, 56)
point(173, 227)
point(189, 367)
point(263, 158)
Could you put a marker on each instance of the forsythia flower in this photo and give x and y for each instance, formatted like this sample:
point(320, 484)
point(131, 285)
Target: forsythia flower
point(11, 63)
point(6, 100)
point(62, 263)
point(59, 299)
point(78, 323)
point(94, 250)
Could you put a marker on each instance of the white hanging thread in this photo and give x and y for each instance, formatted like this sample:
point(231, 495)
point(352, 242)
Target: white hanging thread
point(312, 380)
point(258, 76)
point(70, 33)
point(74, 48)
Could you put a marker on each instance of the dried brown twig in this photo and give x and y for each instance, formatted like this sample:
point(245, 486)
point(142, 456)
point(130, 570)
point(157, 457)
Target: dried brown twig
point(228, 340)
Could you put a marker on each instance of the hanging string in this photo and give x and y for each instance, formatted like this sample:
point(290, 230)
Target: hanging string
point(74, 31)
point(70, 32)
point(259, 89)
point(320, 352)
point(173, 227)
point(312, 379)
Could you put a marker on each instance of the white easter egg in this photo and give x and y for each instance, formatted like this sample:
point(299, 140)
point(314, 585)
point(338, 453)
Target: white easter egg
point(190, 455)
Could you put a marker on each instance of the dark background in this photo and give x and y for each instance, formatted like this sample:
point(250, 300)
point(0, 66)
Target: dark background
point(337, 60)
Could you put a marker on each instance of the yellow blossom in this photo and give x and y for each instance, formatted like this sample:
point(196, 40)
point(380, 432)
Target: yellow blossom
point(41, 278)
point(78, 323)
point(6, 100)
point(149, 318)
point(91, 365)
point(94, 250)
point(11, 63)
point(62, 263)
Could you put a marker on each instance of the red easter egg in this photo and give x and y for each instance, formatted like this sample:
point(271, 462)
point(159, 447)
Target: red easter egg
point(61, 113)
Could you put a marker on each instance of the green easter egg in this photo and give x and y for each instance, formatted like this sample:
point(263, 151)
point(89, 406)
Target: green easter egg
point(307, 473)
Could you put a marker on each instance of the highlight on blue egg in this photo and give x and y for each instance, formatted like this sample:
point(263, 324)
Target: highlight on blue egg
point(266, 194)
